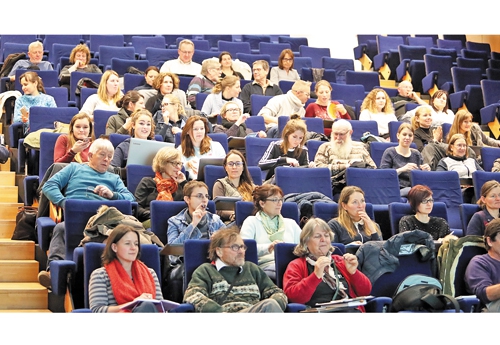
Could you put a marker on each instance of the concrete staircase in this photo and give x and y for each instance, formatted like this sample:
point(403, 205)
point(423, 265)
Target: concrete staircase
point(19, 287)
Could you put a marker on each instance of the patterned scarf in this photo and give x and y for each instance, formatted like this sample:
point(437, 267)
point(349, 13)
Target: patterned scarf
point(275, 227)
point(125, 289)
point(242, 129)
point(166, 187)
point(329, 276)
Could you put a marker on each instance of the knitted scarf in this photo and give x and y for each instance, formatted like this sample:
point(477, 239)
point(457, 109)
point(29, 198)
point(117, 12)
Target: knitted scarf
point(242, 129)
point(329, 276)
point(202, 225)
point(166, 187)
point(275, 227)
point(125, 289)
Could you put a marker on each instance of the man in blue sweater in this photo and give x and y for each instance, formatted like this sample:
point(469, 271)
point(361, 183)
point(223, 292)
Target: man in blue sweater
point(483, 272)
point(90, 181)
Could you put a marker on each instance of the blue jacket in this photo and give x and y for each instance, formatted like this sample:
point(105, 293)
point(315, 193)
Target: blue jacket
point(179, 230)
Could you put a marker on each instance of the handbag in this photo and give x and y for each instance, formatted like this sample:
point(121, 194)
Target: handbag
point(25, 229)
point(55, 213)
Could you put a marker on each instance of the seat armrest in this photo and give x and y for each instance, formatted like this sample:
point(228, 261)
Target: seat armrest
point(469, 304)
point(379, 305)
point(59, 270)
point(457, 99)
point(44, 227)
point(294, 307)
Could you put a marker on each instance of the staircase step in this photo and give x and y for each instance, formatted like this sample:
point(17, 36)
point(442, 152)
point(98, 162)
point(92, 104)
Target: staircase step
point(7, 178)
point(19, 271)
point(9, 210)
point(9, 194)
point(16, 250)
point(7, 228)
point(24, 311)
point(23, 296)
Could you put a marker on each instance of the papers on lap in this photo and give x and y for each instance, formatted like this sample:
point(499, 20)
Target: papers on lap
point(163, 306)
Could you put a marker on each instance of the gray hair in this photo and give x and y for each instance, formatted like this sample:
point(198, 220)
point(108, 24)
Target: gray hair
point(101, 145)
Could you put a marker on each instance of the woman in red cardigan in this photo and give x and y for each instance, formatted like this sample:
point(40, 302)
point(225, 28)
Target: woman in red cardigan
point(317, 276)
point(74, 147)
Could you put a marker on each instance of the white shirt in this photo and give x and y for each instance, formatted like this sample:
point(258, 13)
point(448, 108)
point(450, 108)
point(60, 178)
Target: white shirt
point(178, 67)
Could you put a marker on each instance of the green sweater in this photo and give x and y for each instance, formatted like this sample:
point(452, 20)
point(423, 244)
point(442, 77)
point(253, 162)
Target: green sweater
point(208, 286)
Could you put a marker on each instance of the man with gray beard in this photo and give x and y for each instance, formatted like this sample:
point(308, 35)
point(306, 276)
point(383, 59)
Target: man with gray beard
point(341, 153)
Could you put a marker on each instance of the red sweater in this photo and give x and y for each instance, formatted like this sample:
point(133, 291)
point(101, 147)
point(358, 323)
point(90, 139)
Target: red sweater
point(299, 285)
point(63, 155)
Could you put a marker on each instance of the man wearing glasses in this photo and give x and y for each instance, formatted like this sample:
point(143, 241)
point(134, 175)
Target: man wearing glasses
point(342, 152)
point(229, 283)
point(184, 64)
point(482, 276)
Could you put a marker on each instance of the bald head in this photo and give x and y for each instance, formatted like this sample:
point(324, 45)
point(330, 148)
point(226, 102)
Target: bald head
point(405, 88)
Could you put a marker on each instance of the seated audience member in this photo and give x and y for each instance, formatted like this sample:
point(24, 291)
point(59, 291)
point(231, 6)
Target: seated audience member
point(230, 284)
point(482, 276)
point(439, 109)
point(403, 158)
point(353, 226)
point(405, 95)
point(35, 54)
point(341, 153)
point(233, 122)
point(150, 75)
point(120, 123)
point(421, 202)
point(474, 135)
point(290, 150)
point(74, 146)
point(196, 144)
point(259, 86)
point(123, 277)
point(79, 61)
point(195, 221)
point(167, 184)
point(34, 96)
point(184, 64)
point(284, 70)
point(285, 105)
point(90, 181)
point(496, 165)
point(228, 89)
point(166, 83)
point(423, 132)
point(377, 107)
point(237, 183)
point(108, 93)
point(170, 119)
point(205, 82)
point(267, 226)
point(490, 204)
point(226, 62)
point(319, 276)
point(142, 127)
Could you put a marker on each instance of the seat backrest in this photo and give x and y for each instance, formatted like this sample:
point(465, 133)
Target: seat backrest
point(92, 252)
point(480, 177)
point(95, 41)
point(317, 179)
point(140, 43)
point(315, 53)
point(196, 254)
point(491, 91)
point(467, 253)
point(245, 209)
point(463, 76)
point(472, 63)
point(393, 130)
point(255, 148)
point(348, 93)
point(478, 46)
point(58, 50)
point(377, 150)
point(131, 81)
point(101, 118)
point(388, 43)
point(201, 55)
point(398, 210)
point(466, 213)
point(283, 255)
point(295, 42)
point(254, 40)
point(60, 95)
point(85, 93)
point(213, 40)
point(17, 39)
point(341, 66)
point(488, 156)
point(450, 44)
point(157, 56)
point(200, 99)
point(76, 76)
point(13, 48)
point(221, 138)
point(369, 80)
point(116, 138)
point(312, 147)
point(47, 143)
point(256, 123)
point(106, 53)
point(135, 173)
point(407, 52)
point(78, 212)
point(381, 186)
point(212, 174)
point(426, 42)
point(120, 65)
point(300, 62)
point(44, 117)
point(251, 58)
point(440, 64)
point(361, 127)
point(234, 47)
point(50, 78)
point(161, 211)
point(273, 49)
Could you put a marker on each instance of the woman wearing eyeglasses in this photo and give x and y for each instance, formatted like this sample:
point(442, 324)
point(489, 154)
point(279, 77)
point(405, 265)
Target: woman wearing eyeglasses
point(233, 122)
point(284, 70)
point(490, 208)
point(166, 185)
point(267, 226)
point(171, 119)
point(421, 202)
point(353, 225)
point(319, 276)
point(237, 183)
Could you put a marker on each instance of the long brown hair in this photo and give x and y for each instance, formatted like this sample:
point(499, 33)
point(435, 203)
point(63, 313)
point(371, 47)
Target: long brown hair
point(117, 234)
point(33, 77)
point(294, 124)
point(71, 135)
point(187, 143)
point(135, 116)
point(246, 186)
point(460, 117)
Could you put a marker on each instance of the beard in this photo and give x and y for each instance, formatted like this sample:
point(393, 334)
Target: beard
point(342, 150)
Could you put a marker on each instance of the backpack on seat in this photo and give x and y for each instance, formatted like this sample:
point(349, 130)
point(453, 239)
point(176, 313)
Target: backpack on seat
point(419, 292)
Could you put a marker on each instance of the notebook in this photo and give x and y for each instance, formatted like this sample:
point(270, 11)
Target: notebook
point(143, 151)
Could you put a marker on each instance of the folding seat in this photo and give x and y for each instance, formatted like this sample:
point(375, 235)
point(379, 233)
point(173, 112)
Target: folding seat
point(480, 177)
point(234, 47)
point(273, 50)
point(377, 150)
point(438, 74)
point(466, 213)
point(107, 53)
point(95, 41)
point(366, 50)
point(427, 42)
point(393, 130)
point(488, 156)
point(327, 211)
point(11, 48)
point(316, 54)
point(295, 43)
point(60, 95)
point(461, 38)
point(445, 186)
point(359, 128)
point(451, 44)
point(131, 81)
point(171, 40)
point(314, 124)
point(201, 55)
point(73, 82)
point(387, 58)
point(473, 63)
point(100, 121)
point(140, 43)
point(255, 40)
point(157, 56)
point(411, 66)
point(121, 66)
point(493, 73)
point(49, 78)
point(135, 173)
point(18, 39)
point(256, 123)
point(317, 179)
point(300, 62)
point(258, 102)
point(57, 51)
point(341, 66)
point(494, 63)
point(214, 40)
point(352, 95)
point(478, 46)
point(369, 80)
point(491, 91)
point(467, 90)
